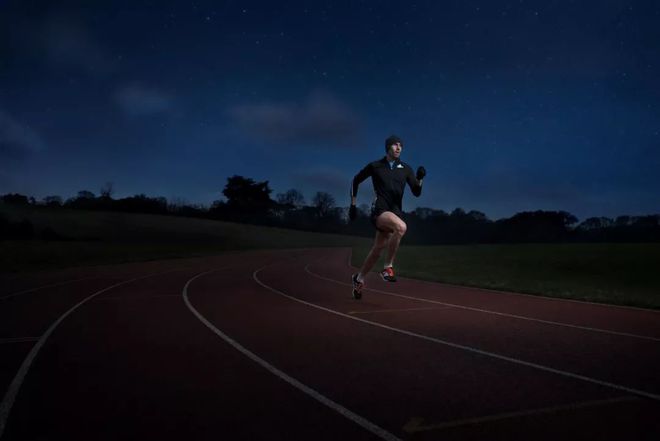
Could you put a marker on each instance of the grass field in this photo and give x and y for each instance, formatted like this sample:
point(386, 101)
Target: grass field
point(623, 274)
point(110, 237)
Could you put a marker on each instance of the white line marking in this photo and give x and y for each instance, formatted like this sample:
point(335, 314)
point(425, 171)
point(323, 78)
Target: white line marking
point(463, 347)
point(15, 385)
point(487, 311)
point(417, 424)
point(17, 340)
point(138, 297)
point(393, 310)
point(52, 285)
point(509, 293)
point(361, 421)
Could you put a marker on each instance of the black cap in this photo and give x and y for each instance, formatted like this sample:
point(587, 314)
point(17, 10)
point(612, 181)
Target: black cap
point(392, 139)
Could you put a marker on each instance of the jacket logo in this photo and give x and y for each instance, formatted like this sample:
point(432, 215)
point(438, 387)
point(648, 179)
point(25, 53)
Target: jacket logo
point(399, 166)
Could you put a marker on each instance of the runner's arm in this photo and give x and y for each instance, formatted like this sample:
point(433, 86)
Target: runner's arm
point(357, 179)
point(414, 184)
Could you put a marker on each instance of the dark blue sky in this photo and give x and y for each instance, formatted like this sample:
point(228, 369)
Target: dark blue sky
point(510, 105)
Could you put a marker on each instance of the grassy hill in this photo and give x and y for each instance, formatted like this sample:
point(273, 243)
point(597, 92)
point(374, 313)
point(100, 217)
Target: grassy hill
point(106, 237)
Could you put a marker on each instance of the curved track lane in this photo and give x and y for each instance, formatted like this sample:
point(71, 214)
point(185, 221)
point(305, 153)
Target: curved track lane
point(227, 347)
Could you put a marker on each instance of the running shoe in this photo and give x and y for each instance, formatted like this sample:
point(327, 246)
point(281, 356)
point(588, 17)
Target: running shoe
point(357, 287)
point(388, 274)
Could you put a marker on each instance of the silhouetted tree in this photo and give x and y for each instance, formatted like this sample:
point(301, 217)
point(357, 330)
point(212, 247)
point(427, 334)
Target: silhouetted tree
point(85, 194)
point(292, 197)
point(594, 223)
point(140, 203)
point(181, 207)
point(477, 216)
point(15, 199)
point(107, 190)
point(218, 210)
point(324, 204)
point(247, 199)
point(536, 226)
point(649, 221)
point(424, 213)
point(85, 200)
point(622, 221)
point(53, 201)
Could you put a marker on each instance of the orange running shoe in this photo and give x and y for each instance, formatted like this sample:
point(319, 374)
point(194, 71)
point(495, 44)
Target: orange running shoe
point(388, 274)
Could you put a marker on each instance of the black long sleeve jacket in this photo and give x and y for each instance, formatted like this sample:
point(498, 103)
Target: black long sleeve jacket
point(389, 184)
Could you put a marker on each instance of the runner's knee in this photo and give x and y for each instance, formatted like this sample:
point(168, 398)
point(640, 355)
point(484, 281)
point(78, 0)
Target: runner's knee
point(401, 228)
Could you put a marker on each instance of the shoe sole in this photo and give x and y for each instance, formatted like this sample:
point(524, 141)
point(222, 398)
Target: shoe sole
point(385, 279)
point(357, 295)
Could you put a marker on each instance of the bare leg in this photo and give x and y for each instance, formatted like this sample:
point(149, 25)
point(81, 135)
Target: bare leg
point(379, 245)
point(399, 228)
point(396, 228)
point(393, 246)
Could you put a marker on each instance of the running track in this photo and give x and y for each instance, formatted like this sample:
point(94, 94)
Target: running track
point(270, 345)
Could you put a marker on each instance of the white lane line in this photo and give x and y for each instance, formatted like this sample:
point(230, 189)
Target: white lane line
point(52, 285)
point(17, 340)
point(361, 421)
point(463, 347)
point(417, 424)
point(394, 310)
point(136, 297)
point(509, 293)
point(15, 385)
point(487, 311)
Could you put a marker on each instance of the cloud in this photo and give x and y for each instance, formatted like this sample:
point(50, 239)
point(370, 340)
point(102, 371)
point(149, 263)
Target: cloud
point(320, 119)
point(136, 100)
point(18, 141)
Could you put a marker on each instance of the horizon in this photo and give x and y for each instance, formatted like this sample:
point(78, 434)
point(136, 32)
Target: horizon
point(308, 203)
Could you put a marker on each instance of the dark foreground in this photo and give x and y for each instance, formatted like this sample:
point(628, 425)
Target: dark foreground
point(269, 345)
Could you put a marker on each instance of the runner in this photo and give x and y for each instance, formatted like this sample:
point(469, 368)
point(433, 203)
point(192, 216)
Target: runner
point(389, 176)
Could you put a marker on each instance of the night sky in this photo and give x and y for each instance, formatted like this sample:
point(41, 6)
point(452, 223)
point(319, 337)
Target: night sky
point(510, 105)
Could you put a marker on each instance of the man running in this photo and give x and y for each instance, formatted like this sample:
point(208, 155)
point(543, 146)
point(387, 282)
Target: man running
point(389, 176)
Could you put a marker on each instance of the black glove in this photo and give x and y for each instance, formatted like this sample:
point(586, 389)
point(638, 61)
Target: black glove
point(352, 212)
point(421, 172)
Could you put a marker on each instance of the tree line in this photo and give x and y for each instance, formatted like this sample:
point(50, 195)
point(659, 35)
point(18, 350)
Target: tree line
point(250, 201)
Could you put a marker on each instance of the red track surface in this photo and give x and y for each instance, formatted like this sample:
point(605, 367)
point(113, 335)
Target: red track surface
point(443, 362)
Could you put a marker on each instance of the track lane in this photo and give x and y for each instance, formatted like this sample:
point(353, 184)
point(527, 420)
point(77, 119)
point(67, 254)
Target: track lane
point(376, 366)
point(614, 359)
point(146, 368)
point(634, 321)
point(301, 286)
point(312, 393)
point(31, 315)
point(642, 408)
point(32, 282)
point(167, 376)
point(441, 305)
point(16, 383)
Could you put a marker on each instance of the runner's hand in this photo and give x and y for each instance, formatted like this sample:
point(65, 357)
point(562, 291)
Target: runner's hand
point(421, 172)
point(352, 212)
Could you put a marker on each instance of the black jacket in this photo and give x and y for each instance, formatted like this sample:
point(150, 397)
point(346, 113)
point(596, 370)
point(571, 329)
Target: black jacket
point(389, 184)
